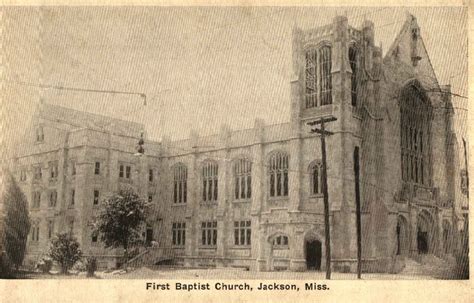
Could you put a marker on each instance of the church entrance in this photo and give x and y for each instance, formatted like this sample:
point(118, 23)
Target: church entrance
point(425, 232)
point(422, 240)
point(313, 255)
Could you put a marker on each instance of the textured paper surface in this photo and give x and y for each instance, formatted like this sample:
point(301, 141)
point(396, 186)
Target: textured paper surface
point(96, 290)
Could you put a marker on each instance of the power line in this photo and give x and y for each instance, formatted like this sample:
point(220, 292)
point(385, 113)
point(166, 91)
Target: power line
point(77, 89)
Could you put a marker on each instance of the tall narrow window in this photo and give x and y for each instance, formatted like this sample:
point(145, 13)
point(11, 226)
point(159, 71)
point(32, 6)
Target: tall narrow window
point(180, 183)
point(53, 170)
point(278, 171)
point(121, 171)
point(209, 181)
point(71, 226)
point(39, 134)
point(73, 197)
point(53, 197)
point(96, 197)
point(315, 170)
point(325, 88)
point(35, 232)
point(73, 168)
point(209, 233)
point(150, 175)
point(243, 179)
point(23, 174)
point(50, 229)
point(128, 170)
point(37, 173)
point(242, 233)
point(311, 79)
point(97, 168)
point(415, 112)
point(353, 61)
point(179, 233)
point(36, 199)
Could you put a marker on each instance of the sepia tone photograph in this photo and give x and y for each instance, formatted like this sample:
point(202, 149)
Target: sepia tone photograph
point(234, 143)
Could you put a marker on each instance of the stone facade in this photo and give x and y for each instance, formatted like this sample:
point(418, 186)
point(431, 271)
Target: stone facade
point(283, 223)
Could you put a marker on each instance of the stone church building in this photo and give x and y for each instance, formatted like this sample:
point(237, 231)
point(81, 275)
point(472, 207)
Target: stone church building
point(253, 198)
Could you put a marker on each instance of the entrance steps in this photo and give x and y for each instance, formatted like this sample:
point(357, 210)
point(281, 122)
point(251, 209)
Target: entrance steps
point(428, 265)
point(151, 256)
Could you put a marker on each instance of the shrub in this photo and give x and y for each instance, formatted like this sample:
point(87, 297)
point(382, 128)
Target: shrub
point(65, 250)
point(5, 266)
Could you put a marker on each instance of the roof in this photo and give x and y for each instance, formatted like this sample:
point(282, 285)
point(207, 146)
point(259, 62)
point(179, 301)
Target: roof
point(81, 119)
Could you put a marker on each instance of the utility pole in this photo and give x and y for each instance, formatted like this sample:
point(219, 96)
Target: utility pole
point(327, 231)
point(358, 214)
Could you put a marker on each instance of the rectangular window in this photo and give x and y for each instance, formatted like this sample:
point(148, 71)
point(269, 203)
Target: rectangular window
point(94, 237)
point(150, 175)
point(97, 168)
point(121, 171)
point(242, 233)
point(128, 170)
point(125, 171)
point(150, 198)
point(53, 170)
point(96, 197)
point(209, 233)
point(179, 234)
point(37, 173)
point(53, 198)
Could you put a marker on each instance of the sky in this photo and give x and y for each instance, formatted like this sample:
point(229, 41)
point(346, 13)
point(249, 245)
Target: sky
point(200, 67)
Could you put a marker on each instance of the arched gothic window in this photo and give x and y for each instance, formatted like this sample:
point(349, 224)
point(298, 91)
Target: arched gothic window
point(318, 77)
point(316, 184)
point(415, 116)
point(280, 242)
point(180, 183)
point(353, 61)
point(209, 181)
point(242, 179)
point(278, 171)
point(325, 88)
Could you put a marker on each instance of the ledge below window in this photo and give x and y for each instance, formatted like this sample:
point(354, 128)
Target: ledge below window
point(208, 247)
point(242, 201)
point(208, 203)
point(178, 204)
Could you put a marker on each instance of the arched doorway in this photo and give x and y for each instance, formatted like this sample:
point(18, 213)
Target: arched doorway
point(313, 250)
point(402, 236)
point(313, 254)
point(424, 232)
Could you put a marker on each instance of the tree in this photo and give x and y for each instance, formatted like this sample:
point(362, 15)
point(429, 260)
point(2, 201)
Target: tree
point(16, 219)
point(120, 218)
point(65, 250)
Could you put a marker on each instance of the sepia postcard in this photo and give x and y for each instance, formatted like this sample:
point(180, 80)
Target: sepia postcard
point(241, 152)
